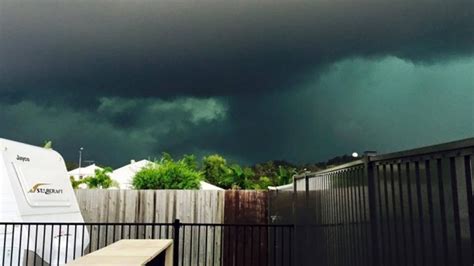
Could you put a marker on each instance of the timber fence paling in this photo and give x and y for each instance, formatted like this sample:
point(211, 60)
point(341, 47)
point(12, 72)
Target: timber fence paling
point(155, 206)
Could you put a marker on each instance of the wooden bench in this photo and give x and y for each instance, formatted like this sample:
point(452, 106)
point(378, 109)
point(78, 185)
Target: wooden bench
point(131, 252)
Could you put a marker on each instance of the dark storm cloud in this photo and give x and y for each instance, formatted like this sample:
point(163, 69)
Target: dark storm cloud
point(253, 80)
point(358, 104)
point(158, 126)
point(205, 48)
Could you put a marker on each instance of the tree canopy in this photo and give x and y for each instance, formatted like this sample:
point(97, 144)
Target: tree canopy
point(187, 172)
point(169, 174)
point(101, 179)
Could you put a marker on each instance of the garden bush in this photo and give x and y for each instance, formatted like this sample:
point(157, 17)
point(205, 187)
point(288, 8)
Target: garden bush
point(168, 174)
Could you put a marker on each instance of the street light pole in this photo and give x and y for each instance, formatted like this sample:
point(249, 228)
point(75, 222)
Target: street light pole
point(80, 161)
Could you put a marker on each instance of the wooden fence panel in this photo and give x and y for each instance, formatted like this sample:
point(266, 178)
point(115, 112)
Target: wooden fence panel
point(146, 212)
point(201, 246)
point(243, 245)
point(157, 206)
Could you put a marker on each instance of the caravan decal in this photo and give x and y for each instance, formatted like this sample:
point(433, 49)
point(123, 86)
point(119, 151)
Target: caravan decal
point(22, 158)
point(36, 189)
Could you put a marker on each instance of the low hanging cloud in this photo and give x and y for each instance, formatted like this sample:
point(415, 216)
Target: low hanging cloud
point(357, 104)
point(125, 111)
point(136, 128)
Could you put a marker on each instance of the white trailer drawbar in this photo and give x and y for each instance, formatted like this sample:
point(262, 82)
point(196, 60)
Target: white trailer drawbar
point(35, 188)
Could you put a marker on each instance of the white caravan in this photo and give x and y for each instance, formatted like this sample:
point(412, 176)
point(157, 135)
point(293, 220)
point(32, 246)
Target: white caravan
point(35, 188)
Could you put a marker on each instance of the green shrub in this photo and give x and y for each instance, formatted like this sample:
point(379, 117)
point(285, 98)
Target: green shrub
point(100, 180)
point(75, 184)
point(216, 171)
point(168, 174)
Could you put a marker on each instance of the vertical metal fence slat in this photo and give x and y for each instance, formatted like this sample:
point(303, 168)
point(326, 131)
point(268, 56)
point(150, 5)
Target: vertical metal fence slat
point(221, 250)
point(214, 245)
point(338, 235)
point(292, 246)
point(374, 241)
point(402, 213)
point(355, 217)
point(21, 240)
point(359, 217)
point(429, 185)
point(235, 254)
point(413, 238)
point(198, 244)
point(36, 245)
point(395, 215)
point(51, 245)
point(274, 246)
point(282, 241)
point(381, 219)
point(75, 242)
point(27, 245)
point(470, 201)
point(353, 222)
point(59, 244)
point(443, 213)
point(206, 241)
point(42, 246)
point(182, 249)
point(457, 223)
point(355, 214)
point(345, 217)
point(11, 247)
point(67, 243)
point(421, 228)
point(347, 220)
point(324, 217)
point(107, 235)
point(334, 219)
point(251, 246)
point(82, 240)
point(90, 237)
point(191, 246)
point(4, 243)
point(176, 233)
point(386, 206)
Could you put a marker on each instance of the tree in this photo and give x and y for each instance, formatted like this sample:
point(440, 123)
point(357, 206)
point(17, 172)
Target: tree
point(242, 178)
point(216, 171)
point(100, 180)
point(190, 161)
point(263, 183)
point(168, 174)
point(48, 144)
point(285, 175)
point(277, 172)
point(75, 184)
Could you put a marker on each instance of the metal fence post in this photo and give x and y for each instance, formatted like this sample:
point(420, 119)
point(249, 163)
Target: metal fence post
point(369, 175)
point(176, 228)
point(295, 221)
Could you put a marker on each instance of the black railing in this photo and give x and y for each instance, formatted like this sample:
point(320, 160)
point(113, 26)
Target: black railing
point(194, 244)
point(406, 208)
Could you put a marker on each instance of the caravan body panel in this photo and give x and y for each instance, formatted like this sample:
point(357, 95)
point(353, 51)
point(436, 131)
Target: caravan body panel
point(35, 187)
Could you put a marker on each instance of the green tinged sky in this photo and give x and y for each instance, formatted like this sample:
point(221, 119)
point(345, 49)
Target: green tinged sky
point(253, 81)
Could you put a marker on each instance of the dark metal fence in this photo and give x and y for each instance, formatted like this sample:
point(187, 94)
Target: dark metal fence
point(406, 208)
point(194, 244)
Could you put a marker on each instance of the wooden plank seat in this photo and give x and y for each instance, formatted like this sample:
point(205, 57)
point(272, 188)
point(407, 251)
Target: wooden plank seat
point(130, 252)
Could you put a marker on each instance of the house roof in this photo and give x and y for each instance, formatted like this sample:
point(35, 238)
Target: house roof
point(124, 174)
point(208, 186)
point(85, 171)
